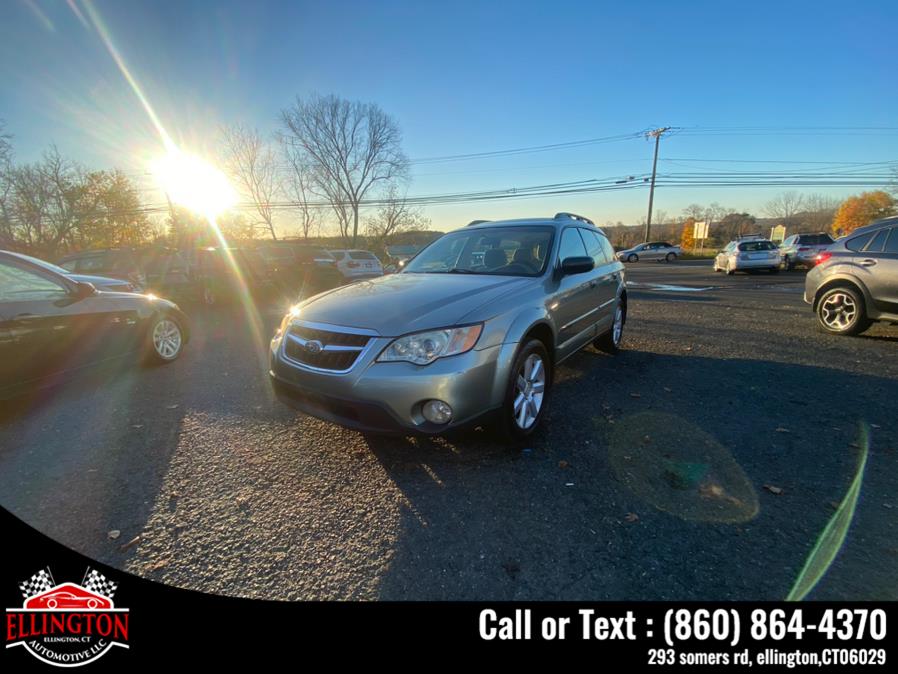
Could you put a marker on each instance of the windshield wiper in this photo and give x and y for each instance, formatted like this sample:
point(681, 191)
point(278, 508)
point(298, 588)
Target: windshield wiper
point(459, 270)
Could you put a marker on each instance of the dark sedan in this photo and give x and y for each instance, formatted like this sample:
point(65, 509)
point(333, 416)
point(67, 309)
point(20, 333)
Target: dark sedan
point(51, 324)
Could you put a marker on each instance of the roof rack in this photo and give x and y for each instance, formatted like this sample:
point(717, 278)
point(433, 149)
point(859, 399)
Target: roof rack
point(477, 222)
point(573, 216)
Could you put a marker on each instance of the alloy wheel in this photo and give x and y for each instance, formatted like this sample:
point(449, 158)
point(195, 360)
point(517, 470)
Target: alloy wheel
point(167, 339)
point(838, 311)
point(530, 388)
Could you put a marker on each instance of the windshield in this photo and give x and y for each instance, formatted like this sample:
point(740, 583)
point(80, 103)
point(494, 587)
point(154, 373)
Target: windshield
point(757, 245)
point(501, 251)
point(46, 265)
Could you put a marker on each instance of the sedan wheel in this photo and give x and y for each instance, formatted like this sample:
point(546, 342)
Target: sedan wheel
point(633, 258)
point(166, 339)
point(671, 257)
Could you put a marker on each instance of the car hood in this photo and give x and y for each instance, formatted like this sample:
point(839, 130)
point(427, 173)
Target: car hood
point(401, 303)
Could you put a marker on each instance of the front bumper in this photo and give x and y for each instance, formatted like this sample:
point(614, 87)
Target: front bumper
point(386, 398)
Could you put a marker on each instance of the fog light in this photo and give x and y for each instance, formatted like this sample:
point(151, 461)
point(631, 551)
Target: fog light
point(437, 412)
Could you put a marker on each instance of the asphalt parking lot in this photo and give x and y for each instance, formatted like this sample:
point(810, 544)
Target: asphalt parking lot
point(703, 462)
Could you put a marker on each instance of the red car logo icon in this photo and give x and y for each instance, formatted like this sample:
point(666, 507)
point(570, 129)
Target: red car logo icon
point(69, 596)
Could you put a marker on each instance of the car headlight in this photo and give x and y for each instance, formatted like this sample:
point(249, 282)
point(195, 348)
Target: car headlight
point(422, 348)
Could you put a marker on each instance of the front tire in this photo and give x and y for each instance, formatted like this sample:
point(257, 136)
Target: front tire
point(166, 339)
point(527, 392)
point(841, 311)
point(632, 257)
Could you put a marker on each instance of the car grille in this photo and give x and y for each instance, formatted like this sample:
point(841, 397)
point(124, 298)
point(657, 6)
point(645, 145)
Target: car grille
point(329, 350)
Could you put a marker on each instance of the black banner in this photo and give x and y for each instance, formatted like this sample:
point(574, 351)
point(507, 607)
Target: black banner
point(65, 609)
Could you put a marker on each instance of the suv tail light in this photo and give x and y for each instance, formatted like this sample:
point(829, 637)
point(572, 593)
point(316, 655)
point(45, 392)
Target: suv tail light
point(822, 257)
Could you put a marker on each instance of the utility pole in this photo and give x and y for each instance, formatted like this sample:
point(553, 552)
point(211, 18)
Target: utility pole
point(656, 134)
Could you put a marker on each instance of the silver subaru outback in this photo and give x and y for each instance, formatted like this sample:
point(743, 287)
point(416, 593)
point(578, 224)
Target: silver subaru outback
point(468, 333)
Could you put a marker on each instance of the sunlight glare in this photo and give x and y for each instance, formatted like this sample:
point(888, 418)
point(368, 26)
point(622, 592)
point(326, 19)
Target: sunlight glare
point(194, 183)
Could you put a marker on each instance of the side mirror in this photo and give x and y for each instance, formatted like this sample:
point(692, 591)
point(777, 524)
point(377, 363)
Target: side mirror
point(84, 289)
point(577, 265)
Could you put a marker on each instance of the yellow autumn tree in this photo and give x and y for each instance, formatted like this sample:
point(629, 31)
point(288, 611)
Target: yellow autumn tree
point(862, 210)
point(687, 241)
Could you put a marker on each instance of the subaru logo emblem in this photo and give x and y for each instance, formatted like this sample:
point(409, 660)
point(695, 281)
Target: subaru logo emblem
point(313, 346)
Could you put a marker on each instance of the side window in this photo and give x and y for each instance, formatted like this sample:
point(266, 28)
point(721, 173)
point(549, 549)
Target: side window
point(594, 247)
point(879, 240)
point(607, 248)
point(571, 244)
point(858, 242)
point(22, 285)
point(892, 243)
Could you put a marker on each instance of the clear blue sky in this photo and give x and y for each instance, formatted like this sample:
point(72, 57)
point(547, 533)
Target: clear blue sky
point(469, 77)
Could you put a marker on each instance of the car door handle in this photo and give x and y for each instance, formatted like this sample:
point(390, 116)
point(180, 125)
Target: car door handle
point(868, 262)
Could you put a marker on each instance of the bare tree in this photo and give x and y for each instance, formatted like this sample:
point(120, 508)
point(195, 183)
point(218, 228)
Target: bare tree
point(784, 206)
point(253, 164)
point(819, 212)
point(694, 211)
point(394, 216)
point(351, 147)
point(300, 185)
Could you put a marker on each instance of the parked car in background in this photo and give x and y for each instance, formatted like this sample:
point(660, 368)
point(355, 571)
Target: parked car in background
point(357, 264)
point(748, 254)
point(299, 269)
point(802, 249)
point(120, 263)
point(855, 281)
point(167, 272)
point(51, 324)
point(656, 250)
point(223, 275)
point(468, 333)
point(99, 282)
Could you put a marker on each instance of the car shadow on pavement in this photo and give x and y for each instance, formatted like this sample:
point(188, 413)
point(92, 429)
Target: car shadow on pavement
point(561, 519)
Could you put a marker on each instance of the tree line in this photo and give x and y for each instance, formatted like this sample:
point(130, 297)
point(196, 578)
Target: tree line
point(310, 177)
point(798, 213)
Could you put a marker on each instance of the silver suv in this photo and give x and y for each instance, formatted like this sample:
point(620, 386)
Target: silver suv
point(855, 281)
point(469, 332)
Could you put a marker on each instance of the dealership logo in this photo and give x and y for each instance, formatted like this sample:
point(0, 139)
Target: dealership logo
point(67, 625)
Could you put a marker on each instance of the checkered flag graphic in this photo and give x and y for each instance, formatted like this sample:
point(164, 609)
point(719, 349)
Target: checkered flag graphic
point(39, 582)
point(97, 582)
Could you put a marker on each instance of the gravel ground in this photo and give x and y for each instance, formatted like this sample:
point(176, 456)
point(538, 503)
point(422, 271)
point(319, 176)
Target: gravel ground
point(700, 463)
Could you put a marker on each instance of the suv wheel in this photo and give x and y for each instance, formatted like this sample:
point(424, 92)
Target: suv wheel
point(166, 339)
point(840, 311)
point(527, 392)
point(611, 340)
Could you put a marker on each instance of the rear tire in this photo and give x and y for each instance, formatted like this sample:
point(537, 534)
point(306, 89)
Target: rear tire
point(671, 257)
point(841, 311)
point(610, 342)
point(528, 387)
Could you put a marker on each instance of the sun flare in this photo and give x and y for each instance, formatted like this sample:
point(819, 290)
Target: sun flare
point(194, 183)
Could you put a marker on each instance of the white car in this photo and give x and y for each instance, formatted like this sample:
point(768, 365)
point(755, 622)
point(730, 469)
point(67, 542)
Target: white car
point(656, 250)
point(748, 254)
point(357, 264)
